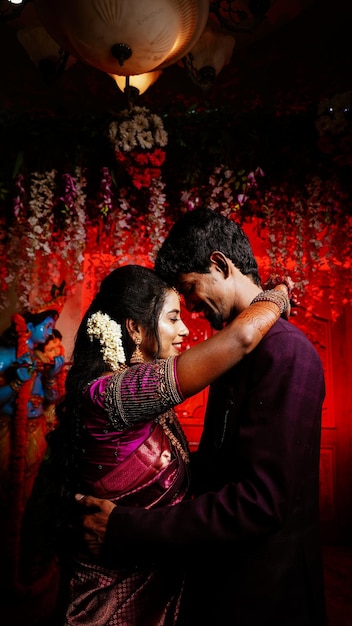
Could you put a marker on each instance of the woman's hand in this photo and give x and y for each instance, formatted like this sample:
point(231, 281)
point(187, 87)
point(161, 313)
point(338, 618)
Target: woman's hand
point(275, 280)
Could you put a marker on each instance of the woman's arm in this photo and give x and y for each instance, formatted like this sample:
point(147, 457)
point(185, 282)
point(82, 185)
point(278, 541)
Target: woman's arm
point(205, 362)
point(141, 392)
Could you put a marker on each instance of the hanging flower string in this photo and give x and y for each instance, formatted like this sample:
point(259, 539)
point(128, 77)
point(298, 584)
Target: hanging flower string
point(142, 167)
point(73, 242)
point(156, 225)
point(230, 190)
point(57, 224)
point(137, 128)
point(36, 236)
point(18, 207)
point(137, 139)
point(105, 203)
point(10, 244)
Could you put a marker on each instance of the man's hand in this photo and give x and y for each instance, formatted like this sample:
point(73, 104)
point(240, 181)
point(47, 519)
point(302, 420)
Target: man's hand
point(94, 522)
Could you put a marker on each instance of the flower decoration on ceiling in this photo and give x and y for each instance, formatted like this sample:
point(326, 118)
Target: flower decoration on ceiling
point(138, 137)
point(137, 128)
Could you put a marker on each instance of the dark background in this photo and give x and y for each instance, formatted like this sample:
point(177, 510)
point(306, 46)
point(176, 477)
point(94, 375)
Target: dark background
point(301, 51)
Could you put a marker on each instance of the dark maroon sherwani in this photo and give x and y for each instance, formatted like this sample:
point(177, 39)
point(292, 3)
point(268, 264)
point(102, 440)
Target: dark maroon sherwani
point(250, 539)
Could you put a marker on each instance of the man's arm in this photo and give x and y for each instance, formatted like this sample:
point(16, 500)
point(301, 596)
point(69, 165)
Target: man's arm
point(95, 521)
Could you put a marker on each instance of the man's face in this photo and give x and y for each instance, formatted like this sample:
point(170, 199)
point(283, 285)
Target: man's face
point(208, 294)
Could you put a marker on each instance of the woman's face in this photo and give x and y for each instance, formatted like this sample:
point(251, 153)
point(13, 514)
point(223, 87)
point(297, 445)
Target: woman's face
point(172, 330)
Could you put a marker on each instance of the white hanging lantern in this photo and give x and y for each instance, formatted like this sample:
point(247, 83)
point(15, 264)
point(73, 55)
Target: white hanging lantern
point(210, 54)
point(139, 83)
point(125, 37)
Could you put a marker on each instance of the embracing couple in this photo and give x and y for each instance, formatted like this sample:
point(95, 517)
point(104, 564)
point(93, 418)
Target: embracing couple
point(227, 535)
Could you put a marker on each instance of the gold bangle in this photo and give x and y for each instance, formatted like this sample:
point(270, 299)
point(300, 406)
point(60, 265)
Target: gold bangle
point(271, 295)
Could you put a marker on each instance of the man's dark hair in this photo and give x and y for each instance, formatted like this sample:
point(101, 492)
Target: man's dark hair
point(194, 237)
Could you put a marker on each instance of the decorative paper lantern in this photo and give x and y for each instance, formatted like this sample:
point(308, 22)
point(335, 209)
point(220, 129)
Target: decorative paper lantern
point(210, 54)
point(139, 83)
point(125, 37)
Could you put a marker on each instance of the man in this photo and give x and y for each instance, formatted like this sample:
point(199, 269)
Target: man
point(249, 538)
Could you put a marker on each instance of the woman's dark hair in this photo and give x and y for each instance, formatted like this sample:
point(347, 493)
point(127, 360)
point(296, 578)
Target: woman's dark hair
point(194, 237)
point(131, 291)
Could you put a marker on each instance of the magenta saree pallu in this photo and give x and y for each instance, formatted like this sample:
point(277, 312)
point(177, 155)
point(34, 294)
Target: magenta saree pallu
point(129, 596)
point(147, 477)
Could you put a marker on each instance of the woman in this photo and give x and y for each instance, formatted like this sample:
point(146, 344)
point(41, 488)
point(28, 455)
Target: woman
point(119, 434)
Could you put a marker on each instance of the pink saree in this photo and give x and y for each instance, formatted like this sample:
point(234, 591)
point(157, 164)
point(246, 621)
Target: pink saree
point(153, 474)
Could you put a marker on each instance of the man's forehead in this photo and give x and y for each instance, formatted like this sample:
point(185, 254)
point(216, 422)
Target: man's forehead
point(190, 279)
point(185, 278)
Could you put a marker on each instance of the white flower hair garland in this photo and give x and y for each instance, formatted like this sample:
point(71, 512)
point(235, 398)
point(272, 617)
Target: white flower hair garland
point(102, 327)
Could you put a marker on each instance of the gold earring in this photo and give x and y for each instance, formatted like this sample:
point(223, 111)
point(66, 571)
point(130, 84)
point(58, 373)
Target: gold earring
point(137, 356)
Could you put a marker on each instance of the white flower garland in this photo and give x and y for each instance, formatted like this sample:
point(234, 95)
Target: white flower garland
point(37, 232)
point(156, 218)
point(102, 327)
point(74, 236)
point(138, 128)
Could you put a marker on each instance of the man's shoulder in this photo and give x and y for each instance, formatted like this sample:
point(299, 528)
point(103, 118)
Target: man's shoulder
point(285, 336)
point(287, 327)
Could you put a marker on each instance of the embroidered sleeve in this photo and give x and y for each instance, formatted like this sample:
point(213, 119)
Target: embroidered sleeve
point(141, 393)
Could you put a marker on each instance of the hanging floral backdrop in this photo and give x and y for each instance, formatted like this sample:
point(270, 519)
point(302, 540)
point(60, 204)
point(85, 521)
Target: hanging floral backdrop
point(77, 186)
